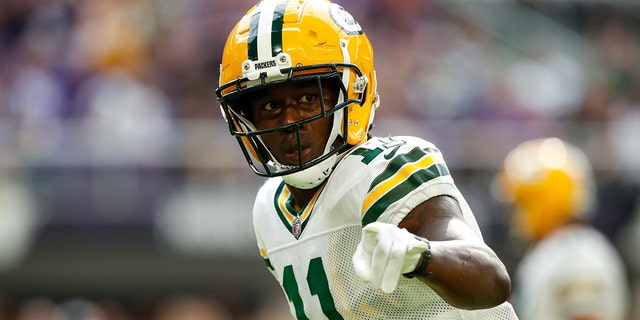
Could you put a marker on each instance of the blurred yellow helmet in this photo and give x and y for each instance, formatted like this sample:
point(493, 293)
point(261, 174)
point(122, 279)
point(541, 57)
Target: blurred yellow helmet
point(549, 182)
point(299, 40)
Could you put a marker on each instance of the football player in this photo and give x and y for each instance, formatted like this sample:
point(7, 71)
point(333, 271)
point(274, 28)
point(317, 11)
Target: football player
point(351, 226)
point(571, 271)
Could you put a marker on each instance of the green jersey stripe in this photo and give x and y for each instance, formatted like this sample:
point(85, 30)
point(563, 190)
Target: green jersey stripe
point(397, 163)
point(290, 210)
point(413, 181)
point(268, 263)
point(276, 205)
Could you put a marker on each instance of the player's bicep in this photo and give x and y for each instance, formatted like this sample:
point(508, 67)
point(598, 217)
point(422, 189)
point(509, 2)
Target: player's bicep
point(439, 219)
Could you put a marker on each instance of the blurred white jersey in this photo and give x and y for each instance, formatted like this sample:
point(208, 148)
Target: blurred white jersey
point(574, 271)
point(309, 250)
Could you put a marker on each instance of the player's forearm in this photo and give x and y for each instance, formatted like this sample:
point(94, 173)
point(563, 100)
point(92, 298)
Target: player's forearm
point(467, 275)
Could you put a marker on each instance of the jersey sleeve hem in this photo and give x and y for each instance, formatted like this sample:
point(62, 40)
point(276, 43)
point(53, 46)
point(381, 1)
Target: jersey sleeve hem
point(444, 187)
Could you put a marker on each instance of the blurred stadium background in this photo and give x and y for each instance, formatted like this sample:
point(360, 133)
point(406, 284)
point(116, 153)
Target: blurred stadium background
point(122, 196)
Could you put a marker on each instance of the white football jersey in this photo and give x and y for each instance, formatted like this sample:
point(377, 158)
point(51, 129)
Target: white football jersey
point(574, 271)
point(309, 251)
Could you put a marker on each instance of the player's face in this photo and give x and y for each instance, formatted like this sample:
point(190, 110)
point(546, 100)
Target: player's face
point(289, 103)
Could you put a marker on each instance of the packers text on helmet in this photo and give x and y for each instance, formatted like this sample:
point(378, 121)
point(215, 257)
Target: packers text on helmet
point(280, 41)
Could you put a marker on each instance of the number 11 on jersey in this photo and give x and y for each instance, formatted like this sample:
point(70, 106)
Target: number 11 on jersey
point(318, 285)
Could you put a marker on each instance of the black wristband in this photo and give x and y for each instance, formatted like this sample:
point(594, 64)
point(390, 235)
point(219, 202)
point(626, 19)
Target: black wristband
point(424, 262)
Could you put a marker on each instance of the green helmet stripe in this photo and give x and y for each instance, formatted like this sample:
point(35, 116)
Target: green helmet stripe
point(266, 29)
point(276, 28)
point(253, 37)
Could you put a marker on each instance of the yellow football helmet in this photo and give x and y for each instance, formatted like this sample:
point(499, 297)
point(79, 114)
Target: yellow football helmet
point(549, 182)
point(299, 40)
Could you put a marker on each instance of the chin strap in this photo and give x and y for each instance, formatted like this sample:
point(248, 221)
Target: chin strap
point(312, 176)
point(316, 175)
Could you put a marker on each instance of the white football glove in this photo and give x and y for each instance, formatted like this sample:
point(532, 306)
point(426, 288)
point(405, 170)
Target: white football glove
point(385, 253)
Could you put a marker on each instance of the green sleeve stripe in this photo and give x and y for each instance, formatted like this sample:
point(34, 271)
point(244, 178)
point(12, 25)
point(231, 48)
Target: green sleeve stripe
point(412, 182)
point(396, 164)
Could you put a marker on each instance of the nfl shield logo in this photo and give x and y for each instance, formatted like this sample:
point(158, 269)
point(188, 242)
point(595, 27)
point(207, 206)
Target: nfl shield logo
point(296, 227)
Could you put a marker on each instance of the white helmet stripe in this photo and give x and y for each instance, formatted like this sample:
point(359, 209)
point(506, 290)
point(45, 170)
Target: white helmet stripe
point(265, 39)
point(264, 29)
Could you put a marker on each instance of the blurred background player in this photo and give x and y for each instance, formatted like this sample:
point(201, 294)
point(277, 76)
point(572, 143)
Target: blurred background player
point(571, 270)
